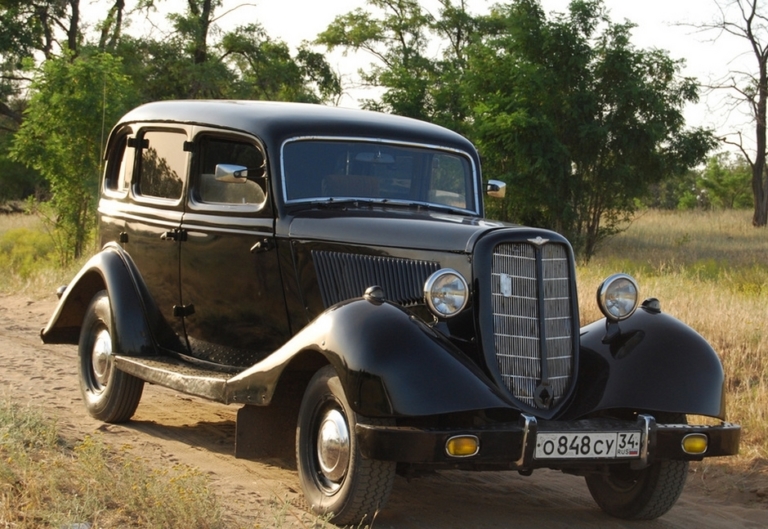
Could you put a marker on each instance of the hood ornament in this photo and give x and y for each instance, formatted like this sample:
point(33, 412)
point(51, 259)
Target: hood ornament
point(539, 241)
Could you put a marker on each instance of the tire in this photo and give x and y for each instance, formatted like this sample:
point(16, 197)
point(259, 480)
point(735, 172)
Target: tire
point(337, 480)
point(640, 494)
point(109, 394)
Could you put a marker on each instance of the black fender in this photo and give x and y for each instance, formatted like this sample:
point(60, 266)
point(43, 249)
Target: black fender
point(134, 316)
point(649, 362)
point(389, 363)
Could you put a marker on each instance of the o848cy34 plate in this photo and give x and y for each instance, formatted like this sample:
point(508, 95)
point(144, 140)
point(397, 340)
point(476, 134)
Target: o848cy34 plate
point(587, 445)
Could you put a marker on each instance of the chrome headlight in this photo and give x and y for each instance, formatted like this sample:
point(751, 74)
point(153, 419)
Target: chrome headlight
point(446, 293)
point(617, 297)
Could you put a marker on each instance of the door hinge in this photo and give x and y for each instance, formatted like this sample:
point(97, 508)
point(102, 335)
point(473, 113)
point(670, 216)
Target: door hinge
point(182, 311)
point(175, 234)
point(123, 237)
point(263, 245)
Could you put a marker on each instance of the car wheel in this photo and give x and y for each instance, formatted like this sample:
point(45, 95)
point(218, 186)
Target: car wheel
point(640, 494)
point(109, 394)
point(335, 478)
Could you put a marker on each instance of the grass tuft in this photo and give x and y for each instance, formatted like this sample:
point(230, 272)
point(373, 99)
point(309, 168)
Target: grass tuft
point(44, 482)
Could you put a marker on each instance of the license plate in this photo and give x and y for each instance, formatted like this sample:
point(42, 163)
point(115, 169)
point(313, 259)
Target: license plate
point(587, 445)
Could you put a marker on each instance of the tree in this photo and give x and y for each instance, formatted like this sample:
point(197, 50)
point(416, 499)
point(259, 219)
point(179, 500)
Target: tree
point(747, 20)
point(62, 136)
point(726, 181)
point(399, 35)
point(576, 119)
point(264, 69)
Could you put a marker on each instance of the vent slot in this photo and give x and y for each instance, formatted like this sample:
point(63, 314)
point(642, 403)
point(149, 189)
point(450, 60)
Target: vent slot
point(344, 276)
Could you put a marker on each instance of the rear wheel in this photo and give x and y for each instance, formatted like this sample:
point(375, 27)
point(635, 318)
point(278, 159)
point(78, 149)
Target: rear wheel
point(333, 474)
point(110, 395)
point(640, 494)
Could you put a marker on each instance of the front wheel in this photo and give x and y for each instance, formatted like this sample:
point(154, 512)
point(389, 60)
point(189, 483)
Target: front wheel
point(639, 494)
point(110, 395)
point(334, 476)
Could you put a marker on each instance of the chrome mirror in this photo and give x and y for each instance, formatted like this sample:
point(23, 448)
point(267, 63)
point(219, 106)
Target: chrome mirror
point(231, 174)
point(496, 188)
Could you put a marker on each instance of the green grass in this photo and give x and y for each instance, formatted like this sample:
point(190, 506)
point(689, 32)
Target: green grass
point(29, 259)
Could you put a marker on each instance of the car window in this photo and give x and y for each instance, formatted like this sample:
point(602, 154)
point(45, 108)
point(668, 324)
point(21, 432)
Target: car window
point(163, 164)
point(119, 166)
point(213, 152)
point(317, 169)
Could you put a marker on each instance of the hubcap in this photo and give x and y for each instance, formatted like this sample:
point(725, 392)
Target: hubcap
point(333, 447)
point(101, 358)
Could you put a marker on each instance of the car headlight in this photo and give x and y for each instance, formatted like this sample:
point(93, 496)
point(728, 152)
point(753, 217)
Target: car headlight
point(446, 293)
point(617, 297)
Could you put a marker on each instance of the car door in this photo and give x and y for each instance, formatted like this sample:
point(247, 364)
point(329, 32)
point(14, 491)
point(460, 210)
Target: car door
point(231, 290)
point(152, 223)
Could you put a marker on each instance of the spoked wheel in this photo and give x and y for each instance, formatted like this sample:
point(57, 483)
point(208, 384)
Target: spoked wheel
point(334, 476)
point(640, 494)
point(109, 394)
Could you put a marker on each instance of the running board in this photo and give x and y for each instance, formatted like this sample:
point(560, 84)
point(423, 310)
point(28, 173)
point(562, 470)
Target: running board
point(177, 374)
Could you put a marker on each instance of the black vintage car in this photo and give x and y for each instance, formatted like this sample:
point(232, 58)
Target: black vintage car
point(331, 271)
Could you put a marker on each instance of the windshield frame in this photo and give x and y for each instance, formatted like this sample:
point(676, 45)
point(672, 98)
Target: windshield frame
point(476, 198)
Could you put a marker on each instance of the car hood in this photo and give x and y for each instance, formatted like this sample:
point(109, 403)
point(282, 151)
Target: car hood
point(392, 227)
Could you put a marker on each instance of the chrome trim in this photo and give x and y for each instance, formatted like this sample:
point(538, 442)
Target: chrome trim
point(358, 139)
point(333, 446)
point(647, 422)
point(602, 291)
point(430, 283)
point(530, 429)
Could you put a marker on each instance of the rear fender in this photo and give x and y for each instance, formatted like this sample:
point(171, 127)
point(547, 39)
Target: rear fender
point(389, 363)
point(113, 271)
point(653, 362)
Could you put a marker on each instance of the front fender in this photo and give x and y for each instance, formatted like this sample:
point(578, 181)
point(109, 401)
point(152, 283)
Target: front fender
point(655, 363)
point(110, 270)
point(389, 363)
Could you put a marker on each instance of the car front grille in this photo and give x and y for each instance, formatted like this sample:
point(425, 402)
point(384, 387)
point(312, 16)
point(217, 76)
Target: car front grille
point(533, 321)
point(344, 276)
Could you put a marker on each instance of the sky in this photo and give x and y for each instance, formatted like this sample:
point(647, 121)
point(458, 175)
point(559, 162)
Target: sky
point(663, 24)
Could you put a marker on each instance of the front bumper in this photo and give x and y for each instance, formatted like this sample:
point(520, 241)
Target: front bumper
point(513, 445)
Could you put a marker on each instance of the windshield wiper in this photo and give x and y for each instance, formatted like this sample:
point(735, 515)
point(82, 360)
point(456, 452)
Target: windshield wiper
point(341, 202)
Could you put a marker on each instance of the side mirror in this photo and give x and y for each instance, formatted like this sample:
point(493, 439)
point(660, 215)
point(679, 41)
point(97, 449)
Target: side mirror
point(496, 188)
point(231, 174)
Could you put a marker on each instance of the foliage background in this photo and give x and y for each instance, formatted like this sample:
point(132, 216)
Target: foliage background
point(584, 126)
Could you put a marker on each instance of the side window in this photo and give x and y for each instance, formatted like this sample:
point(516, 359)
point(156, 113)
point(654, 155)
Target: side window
point(448, 181)
point(117, 175)
point(162, 165)
point(213, 152)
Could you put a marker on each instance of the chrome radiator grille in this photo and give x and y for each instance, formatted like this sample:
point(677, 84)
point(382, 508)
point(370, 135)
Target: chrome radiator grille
point(344, 276)
point(532, 321)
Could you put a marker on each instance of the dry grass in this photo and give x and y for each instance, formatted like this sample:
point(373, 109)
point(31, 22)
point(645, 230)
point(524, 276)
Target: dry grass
point(710, 270)
point(47, 482)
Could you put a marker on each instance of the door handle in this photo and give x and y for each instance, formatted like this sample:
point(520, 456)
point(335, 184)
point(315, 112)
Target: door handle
point(174, 235)
point(263, 245)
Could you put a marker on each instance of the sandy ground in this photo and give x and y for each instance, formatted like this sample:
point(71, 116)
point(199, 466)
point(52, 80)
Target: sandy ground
point(169, 427)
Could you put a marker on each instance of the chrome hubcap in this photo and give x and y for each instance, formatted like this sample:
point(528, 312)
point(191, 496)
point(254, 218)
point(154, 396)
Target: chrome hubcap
point(333, 447)
point(101, 357)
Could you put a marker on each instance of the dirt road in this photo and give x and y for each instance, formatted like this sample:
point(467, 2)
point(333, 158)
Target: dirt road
point(169, 427)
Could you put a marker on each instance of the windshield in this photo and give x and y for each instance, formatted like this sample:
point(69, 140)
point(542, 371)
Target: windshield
point(328, 170)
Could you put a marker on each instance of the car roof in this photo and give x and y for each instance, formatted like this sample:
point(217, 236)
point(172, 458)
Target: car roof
point(274, 122)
